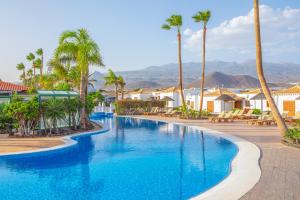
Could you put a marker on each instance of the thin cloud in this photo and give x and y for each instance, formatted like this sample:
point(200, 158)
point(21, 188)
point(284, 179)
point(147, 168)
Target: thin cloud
point(235, 37)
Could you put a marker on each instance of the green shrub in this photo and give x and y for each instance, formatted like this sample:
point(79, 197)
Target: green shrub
point(92, 100)
point(257, 111)
point(7, 124)
point(25, 113)
point(293, 134)
point(53, 111)
point(124, 105)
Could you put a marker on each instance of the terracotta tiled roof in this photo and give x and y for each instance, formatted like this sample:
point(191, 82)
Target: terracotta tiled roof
point(218, 92)
point(170, 89)
point(292, 90)
point(254, 91)
point(141, 91)
point(5, 86)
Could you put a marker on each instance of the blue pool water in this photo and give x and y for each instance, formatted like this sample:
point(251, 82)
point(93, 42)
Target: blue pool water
point(135, 159)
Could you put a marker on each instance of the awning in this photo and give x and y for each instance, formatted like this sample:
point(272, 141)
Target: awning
point(225, 97)
point(57, 93)
point(166, 98)
point(260, 96)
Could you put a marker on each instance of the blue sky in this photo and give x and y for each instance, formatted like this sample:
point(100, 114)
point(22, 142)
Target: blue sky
point(129, 35)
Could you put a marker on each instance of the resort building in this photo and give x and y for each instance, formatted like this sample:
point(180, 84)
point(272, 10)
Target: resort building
point(287, 100)
point(6, 90)
point(140, 94)
point(192, 98)
point(172, 93)
point(221, 100)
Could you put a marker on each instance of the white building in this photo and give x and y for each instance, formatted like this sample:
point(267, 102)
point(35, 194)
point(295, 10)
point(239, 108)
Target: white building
point(192, 98)
point(172, 92)
point(287, 100)
point(140, 94)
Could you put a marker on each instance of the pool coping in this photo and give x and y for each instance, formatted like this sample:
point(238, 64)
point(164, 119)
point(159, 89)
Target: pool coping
point(68, 141)
point(245, 169)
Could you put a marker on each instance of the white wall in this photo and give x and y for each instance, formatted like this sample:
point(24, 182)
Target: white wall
point(280, 98)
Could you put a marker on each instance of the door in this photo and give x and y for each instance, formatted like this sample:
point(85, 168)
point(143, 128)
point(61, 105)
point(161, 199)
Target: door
point(238, 104)
point(289, 107)
point(210, 106)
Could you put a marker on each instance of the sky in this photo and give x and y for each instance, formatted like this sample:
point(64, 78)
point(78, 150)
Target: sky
point(129, 35)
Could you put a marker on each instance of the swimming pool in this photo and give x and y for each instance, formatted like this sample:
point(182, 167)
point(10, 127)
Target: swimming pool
point(135, 159)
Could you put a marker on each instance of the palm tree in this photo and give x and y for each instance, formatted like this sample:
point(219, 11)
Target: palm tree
point(122, 84)
point(260, 73)
point(80, 48)
point(202, 17)
point(31, 58)
point(30, 78)
point(175, 21)
point(21, 67)
point(112, 79)
point(40, 53)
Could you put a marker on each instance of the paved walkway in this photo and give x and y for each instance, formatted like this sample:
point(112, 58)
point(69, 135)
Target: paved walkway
point(280, 164)
point(8, 145)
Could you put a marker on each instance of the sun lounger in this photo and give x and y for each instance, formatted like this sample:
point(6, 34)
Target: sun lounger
point(152, 111)
point(216, 118)
point(169, 110)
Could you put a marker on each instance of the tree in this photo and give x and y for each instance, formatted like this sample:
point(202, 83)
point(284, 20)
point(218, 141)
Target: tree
point(40, 53)
point(112, 79)
point(260, 73)
point(78, 47)
point(175, 21)
point(122, 84)
point(202, 16)
point(54, 111)
point(21, 67)
point(31, 58)
point(25, 113)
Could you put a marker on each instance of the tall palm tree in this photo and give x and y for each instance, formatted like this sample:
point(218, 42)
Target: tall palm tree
point(30, 78)
point(122, 84)
point(260, 73)
point(40, 53)
point(21, 67)
point(112, 79)
point(175, 21)
point(81, 49)
point(30, 58)
point(202, 16)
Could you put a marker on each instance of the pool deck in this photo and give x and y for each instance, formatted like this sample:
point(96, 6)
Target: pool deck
point(280, 164)
point(10, 145)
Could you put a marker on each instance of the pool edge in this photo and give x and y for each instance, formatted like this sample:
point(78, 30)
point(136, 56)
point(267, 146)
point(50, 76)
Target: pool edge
point(68, 141)
point(245, 168)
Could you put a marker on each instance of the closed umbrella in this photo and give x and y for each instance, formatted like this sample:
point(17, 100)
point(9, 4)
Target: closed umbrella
point(225, 97)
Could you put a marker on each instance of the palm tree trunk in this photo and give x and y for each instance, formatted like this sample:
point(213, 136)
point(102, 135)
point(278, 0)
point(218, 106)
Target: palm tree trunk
point(122, 97)
point(82, 92)
point(24, 77)
point(203, 69)
point(180, 73)
point(41, 70)
point(34, 83)
point(116, 92)
point(260, 73)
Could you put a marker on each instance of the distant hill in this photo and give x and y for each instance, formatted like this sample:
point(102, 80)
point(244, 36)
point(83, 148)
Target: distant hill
point(244, 74)
point(227, 81)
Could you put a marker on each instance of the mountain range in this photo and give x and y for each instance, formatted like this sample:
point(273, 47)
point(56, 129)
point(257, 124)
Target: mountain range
point(218, 73)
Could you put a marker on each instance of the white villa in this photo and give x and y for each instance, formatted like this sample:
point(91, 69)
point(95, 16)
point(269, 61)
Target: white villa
point(221, 99)
point(214, 101)
point(146, 94)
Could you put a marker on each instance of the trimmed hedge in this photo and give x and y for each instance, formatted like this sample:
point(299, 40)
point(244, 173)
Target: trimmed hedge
point(124, 105)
